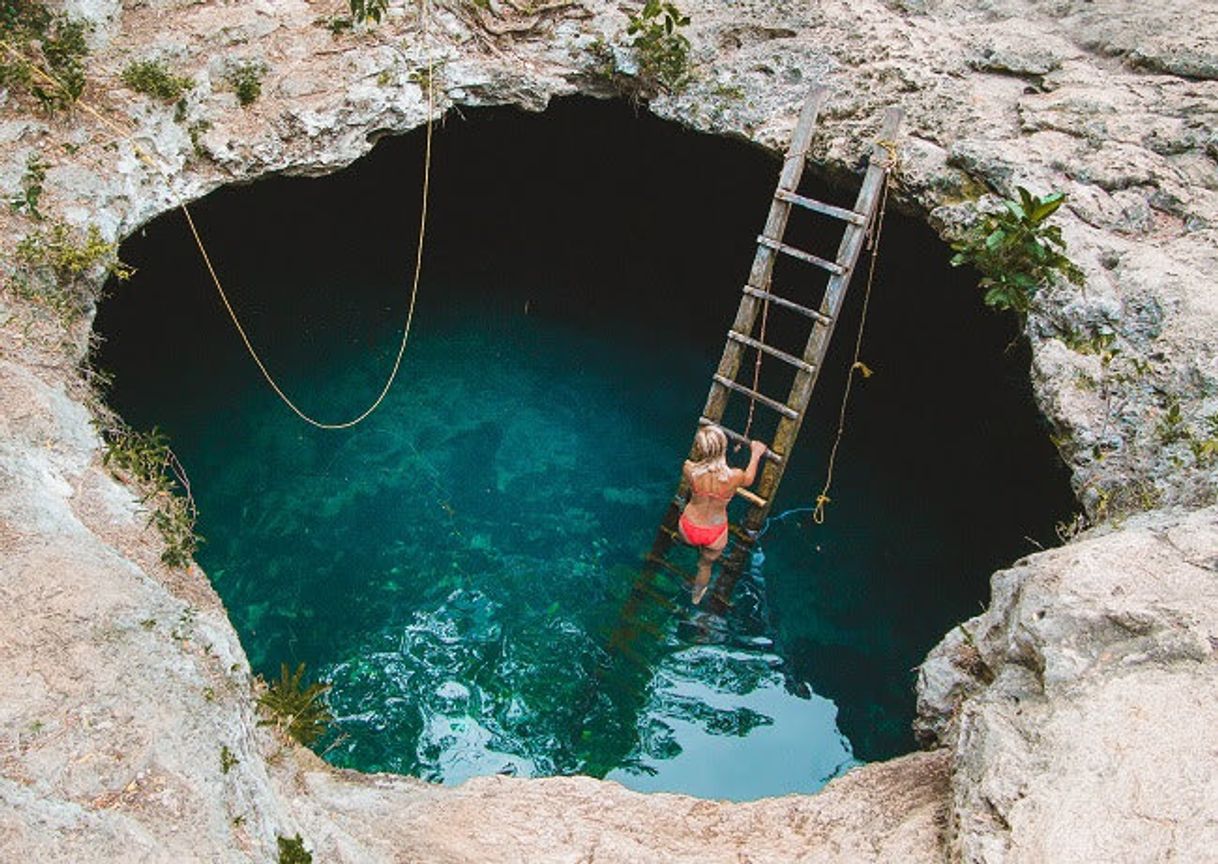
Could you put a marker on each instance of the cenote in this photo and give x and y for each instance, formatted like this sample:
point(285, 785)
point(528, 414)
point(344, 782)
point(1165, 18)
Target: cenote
point(458, 565)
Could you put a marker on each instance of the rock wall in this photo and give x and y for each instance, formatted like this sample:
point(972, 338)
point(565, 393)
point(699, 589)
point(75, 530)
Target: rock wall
point(1078, 707)
point(1071, 716)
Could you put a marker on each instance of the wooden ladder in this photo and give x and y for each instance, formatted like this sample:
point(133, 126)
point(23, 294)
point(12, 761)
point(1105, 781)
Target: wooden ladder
point(770, 244)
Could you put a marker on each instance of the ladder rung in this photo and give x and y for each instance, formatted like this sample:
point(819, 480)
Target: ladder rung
point(771, 350)
point(785, 411)
point(733, 435)
point(741, 535)
point(820, 207)
point(752, 497)
point(836, 269)
point(670, 567)
point(787, 304)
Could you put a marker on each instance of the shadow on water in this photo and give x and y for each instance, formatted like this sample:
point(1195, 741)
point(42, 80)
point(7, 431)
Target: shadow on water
point(464, 565)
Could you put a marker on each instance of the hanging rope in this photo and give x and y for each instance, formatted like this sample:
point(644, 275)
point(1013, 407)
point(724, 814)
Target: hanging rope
point(874, 230)
point(425, 14)
point(748, 424)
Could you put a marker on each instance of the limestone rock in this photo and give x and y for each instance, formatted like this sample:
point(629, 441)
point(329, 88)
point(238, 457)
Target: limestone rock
point(1076, 706)
point(1078, 709)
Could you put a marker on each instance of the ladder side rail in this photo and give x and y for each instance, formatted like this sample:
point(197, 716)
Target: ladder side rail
point(763, 260)
point(818, 341)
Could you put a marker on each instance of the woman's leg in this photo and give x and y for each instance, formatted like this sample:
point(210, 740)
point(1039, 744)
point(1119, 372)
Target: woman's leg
point(707, 555)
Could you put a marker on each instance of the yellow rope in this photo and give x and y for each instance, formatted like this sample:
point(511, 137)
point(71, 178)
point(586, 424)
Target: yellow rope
point(874, 230)
point(418, 264)
point(748, 425)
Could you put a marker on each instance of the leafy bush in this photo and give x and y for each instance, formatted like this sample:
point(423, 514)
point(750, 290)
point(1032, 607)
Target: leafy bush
point(56, 43)
point(1017, 252)
point(297, 710)
point(368, 10)
point(292, 851)
point(246, 80)
point(148, 462)
point(227, 759)
point(31, 187)
point(661, 49)
point(54, 266)
point(153, 78)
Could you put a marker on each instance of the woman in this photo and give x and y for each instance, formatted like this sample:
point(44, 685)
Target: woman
point(712, 484)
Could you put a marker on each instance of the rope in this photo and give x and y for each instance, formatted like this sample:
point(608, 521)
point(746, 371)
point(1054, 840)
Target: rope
point(748, 424)
point(874, 230)
point(418, 264)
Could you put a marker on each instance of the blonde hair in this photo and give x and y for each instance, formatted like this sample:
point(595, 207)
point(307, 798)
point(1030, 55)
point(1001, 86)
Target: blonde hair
point(710, 453)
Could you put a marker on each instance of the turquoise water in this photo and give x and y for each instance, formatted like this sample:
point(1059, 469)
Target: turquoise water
point(463, 566)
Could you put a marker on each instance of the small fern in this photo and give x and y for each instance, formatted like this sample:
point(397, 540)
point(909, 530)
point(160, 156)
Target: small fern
point(299, 711)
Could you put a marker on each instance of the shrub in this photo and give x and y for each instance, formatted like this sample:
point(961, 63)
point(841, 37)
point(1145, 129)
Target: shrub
point(661, 50)
point(292, 851)
point(31, 187)
point(60, 50)
point(54, 266)
point(246, 80)
point(153, 78)
point(368, 10)
point(148, 462)
point(1017, 252)
point(299, 711)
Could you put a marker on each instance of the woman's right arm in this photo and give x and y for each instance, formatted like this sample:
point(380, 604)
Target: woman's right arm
point(750, 473)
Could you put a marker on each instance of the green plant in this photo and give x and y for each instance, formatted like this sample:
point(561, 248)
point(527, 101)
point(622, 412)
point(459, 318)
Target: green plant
point(54, 266)
point(336, 24)
point(67, 255)
point(661, 50)
point(31, 187)
point(292, 851)
point(153, 78)
point(246, 80)
point(427, 77)
point(37, 43)
point(363, 11)
point(1017, 252)
point(196, 131)
point(299, 711)
point(148, 462)
point(1205, 449)
point(1171, 428)
point(227, 759)
point(729, 91)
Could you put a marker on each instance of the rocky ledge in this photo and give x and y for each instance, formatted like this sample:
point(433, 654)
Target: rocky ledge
point(1071, 721)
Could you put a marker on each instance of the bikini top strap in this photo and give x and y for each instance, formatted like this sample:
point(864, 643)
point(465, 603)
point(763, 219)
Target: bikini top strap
point(708, 494)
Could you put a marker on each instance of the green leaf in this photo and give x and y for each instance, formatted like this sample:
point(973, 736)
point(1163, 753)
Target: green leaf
point(1047, 206)
point(1026, 200)
point(998, 298)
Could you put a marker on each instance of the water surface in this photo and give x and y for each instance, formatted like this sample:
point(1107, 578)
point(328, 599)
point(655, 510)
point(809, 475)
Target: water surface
point(464, 566)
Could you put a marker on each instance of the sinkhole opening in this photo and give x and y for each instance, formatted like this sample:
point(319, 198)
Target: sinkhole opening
point(459, 565)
